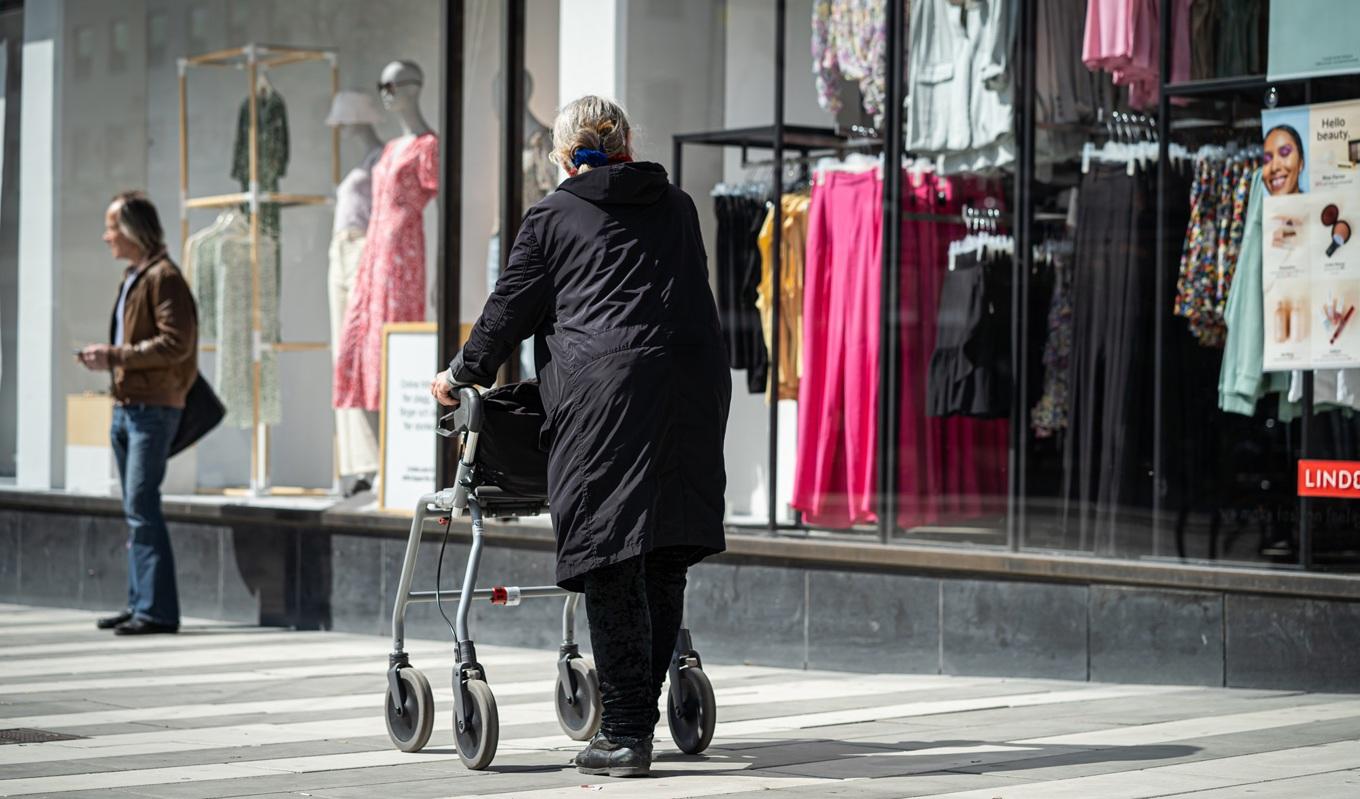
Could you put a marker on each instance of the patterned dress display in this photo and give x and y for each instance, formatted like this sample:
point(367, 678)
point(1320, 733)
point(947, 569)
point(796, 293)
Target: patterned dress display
point(217, 260)
point(1213, 237)
point(390, 284)
point(849, 43)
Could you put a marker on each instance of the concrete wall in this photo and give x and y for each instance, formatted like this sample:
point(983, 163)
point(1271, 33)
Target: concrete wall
point(741, 611)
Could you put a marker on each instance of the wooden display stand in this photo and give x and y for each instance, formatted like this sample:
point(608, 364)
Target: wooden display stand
point(254, 59)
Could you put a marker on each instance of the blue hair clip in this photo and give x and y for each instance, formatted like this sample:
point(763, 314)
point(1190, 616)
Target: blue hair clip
point(591, 158)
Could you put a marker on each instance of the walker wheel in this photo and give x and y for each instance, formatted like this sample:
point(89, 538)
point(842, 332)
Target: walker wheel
point(693, 721)
point(477, 740)
point(411, 730)
point(580, 719)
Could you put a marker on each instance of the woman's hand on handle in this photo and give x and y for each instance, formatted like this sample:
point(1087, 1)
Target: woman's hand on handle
point(443, 390)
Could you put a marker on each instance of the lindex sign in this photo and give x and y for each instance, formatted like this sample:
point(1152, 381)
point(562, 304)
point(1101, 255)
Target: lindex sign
point(1335, 479)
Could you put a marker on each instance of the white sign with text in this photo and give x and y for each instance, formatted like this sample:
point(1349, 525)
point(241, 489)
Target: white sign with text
point(409, 414)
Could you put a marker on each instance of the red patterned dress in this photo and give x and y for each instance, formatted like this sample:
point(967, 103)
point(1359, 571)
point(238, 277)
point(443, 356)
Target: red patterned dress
point(390, 283)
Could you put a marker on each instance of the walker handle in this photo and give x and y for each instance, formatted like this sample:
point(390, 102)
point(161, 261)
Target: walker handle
point(466, 417)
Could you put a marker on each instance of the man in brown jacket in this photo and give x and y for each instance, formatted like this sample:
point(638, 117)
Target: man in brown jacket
point(154, 361)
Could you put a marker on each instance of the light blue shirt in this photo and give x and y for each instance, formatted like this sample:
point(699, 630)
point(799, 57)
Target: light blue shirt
point(118, 313)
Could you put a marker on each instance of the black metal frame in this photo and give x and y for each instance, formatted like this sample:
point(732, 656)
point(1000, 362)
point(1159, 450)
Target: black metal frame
point(448, 292)
point(890, 343)
point(1256, 85)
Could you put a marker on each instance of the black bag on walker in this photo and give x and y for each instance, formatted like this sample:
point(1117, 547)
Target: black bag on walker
point(508, 453)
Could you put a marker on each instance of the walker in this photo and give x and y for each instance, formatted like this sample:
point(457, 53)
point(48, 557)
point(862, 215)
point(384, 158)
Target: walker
point(690, 704)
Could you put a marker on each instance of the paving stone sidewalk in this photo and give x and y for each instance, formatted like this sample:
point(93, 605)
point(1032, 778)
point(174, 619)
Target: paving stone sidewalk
point(222, 710)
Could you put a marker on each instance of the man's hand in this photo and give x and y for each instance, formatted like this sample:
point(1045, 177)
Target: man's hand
point(442, 390)
point(95, 357)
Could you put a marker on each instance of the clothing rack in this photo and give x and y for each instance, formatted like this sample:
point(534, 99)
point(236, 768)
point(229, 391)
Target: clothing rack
point(255, 60)
point(778, 138)
point(1259, 89)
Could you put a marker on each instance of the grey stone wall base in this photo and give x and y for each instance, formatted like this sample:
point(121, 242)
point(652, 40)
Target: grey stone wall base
point(740, 610)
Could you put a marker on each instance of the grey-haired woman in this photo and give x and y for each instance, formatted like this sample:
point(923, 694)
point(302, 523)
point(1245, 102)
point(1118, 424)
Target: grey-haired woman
point(609, 276)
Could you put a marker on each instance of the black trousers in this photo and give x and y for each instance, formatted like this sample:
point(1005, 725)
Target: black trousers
point(1107, 452)
point(635, 607)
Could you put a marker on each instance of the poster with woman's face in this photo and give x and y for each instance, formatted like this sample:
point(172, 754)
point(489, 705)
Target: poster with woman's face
point(1284, 168)
point(1310, 264)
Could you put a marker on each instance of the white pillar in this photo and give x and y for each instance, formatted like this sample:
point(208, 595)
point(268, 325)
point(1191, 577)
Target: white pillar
point(39, 276)
point(588, 49)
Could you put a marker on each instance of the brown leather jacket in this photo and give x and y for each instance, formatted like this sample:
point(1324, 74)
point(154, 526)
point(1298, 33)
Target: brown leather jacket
point(157, 362)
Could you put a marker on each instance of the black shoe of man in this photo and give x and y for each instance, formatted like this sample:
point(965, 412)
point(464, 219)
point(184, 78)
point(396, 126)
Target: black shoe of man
point(627, 758)
point(144, 627)
point(109, 622)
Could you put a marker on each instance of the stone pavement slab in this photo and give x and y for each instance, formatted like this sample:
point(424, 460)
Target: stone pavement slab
point(233, 711)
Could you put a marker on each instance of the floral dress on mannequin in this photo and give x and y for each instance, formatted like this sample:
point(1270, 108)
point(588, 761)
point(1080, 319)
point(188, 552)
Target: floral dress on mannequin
point(390, 284)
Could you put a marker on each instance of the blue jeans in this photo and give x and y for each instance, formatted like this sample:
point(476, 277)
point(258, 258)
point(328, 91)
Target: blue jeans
point(141, 436)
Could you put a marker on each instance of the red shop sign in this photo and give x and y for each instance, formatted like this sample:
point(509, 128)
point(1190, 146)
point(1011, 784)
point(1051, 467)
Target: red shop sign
point(1338, 479)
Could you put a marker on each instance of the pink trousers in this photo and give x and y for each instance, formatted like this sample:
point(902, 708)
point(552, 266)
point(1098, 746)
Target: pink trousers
point(838, 397)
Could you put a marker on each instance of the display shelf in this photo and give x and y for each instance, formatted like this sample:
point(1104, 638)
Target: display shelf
point(281, 199)
point(1219, 86)
point(282, 346)
point(254, 60)
point(796, 137)
point(265, 55)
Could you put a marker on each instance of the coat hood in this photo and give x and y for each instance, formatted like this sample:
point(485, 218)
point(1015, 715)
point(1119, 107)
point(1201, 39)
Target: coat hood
point(632, 183)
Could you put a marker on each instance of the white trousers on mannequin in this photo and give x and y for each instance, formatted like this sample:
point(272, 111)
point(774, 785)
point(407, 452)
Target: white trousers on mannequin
point(355, 428)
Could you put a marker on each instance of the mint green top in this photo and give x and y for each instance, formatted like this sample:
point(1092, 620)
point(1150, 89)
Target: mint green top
point(1242, 380)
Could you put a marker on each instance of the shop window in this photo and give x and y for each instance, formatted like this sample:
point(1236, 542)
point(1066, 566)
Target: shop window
point(157, 38)
point(198, 30)
point(665, 9)
point(238, 20)
point(118, 45)
point(84, 52)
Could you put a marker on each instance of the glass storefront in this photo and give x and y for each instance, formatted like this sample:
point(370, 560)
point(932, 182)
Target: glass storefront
point(1053, 340)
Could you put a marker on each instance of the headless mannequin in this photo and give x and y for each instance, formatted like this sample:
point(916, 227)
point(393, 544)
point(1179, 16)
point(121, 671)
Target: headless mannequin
point(364, 134)
point(532, 124)
point(356, 429)
point(537, 145)
point(406, 80)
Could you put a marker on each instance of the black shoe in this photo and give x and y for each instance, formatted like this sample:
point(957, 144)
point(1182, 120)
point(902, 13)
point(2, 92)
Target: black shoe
point(616, 758)
point(144, 627)
point(109, 622)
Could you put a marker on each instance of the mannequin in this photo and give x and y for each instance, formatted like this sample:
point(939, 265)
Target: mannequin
point(539, 179)
point(389, 283)
point(356, 438)
point(400, 87)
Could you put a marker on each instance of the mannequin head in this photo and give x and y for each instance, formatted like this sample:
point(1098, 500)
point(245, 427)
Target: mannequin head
point(498, 91)
point(400, 86)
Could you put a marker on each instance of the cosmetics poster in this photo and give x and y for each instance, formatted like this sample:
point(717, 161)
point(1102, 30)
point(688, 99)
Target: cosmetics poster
point(1311, 253)
point(1312, 38)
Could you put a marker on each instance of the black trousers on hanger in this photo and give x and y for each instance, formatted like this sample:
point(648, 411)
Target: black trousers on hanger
point(738, 266)
point(1107, 452)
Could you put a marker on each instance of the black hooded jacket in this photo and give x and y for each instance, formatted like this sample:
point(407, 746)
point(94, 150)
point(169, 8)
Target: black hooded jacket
point(609, 274)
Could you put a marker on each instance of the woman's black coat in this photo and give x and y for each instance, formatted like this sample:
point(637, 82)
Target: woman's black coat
point(610, 276)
